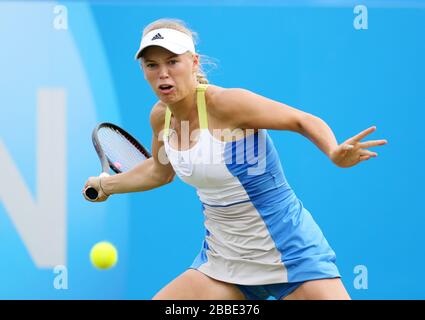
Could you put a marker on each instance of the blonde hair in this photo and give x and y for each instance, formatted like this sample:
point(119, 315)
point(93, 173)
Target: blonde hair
point(179, 25)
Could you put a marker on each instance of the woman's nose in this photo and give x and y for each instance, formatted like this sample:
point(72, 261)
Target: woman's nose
point(163, 72)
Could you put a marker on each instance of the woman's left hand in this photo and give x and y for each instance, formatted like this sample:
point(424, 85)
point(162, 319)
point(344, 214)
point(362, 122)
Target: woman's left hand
point(353, 151)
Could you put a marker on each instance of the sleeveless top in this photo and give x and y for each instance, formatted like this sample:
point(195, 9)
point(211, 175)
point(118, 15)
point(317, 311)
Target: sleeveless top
point(254, 222)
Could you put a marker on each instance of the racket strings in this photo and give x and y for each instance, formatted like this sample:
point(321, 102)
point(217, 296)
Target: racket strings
point(136, 145)
point(123, 154)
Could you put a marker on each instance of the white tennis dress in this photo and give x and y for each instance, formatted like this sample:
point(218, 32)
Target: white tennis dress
point(257, 230)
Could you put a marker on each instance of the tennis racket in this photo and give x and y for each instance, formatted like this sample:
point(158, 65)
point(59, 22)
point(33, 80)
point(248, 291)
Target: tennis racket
point(117, 150)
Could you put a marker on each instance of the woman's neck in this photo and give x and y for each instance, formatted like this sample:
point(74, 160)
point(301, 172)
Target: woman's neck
point(185, 109)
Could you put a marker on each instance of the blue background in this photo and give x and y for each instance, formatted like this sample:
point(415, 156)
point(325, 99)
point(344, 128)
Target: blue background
point(307, 55)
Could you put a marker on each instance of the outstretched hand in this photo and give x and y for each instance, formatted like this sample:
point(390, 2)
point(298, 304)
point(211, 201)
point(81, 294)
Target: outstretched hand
point(353, 151)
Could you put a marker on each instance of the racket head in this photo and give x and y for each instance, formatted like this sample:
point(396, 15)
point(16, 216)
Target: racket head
point(117, 149)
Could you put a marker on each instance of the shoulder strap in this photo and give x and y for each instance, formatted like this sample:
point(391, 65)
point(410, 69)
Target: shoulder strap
point(202, 110)
point(202, 106)
point(167, 121)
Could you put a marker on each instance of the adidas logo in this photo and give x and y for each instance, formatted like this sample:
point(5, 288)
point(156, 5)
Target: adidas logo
point(157, 36)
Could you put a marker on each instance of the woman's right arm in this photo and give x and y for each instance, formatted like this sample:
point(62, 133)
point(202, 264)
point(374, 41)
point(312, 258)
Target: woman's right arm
point(150, 174)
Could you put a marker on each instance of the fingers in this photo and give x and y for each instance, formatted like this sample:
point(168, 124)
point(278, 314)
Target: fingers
point(368, 153)
point(86, 185)
point(92, 182)
point(372, 143)
point(100, 196)
point(362, 134)
point(363, 158)
point(347, 146)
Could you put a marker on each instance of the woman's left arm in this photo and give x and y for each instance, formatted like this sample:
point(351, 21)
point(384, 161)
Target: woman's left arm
point(251, 111)
point(344, 155)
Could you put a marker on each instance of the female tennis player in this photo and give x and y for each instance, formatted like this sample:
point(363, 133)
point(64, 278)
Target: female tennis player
point(260, 241)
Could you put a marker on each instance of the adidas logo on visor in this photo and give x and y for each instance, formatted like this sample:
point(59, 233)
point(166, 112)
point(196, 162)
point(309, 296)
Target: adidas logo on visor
point(157, 36)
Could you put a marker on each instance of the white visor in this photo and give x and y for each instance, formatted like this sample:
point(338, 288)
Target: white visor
point(170, 39)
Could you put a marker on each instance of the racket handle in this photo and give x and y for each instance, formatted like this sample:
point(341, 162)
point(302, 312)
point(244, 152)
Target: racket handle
point(91, 192)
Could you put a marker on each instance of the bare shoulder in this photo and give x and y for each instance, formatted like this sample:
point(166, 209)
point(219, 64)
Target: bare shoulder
point(222, 102)
point(241, 108)
point(157, 117)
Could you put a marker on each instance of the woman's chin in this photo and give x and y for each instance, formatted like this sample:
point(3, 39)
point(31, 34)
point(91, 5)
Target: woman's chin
point(167, 99)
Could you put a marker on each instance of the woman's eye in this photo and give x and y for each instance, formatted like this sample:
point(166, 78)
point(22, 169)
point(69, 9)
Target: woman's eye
point(173, 61)
point(150, 65)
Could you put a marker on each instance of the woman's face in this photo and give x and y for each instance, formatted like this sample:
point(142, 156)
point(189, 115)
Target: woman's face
point(171, 76)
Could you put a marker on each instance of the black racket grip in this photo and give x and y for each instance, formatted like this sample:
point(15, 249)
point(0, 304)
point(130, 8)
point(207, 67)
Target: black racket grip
point(91, 193)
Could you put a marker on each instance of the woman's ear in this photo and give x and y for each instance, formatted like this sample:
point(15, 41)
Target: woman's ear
point(196, 61)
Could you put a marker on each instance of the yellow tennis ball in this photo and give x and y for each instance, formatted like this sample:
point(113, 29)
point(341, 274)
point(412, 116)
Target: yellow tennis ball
point(103, 255)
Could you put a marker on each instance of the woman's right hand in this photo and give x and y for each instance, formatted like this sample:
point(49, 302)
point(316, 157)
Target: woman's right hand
point(95, 182)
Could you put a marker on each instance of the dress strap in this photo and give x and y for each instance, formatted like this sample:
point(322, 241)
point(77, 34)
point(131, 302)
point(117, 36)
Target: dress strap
point(167, 122)
point(202, 105)
point(202, 110)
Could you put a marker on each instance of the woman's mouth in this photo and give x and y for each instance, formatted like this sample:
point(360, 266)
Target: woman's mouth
point(166, 88)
